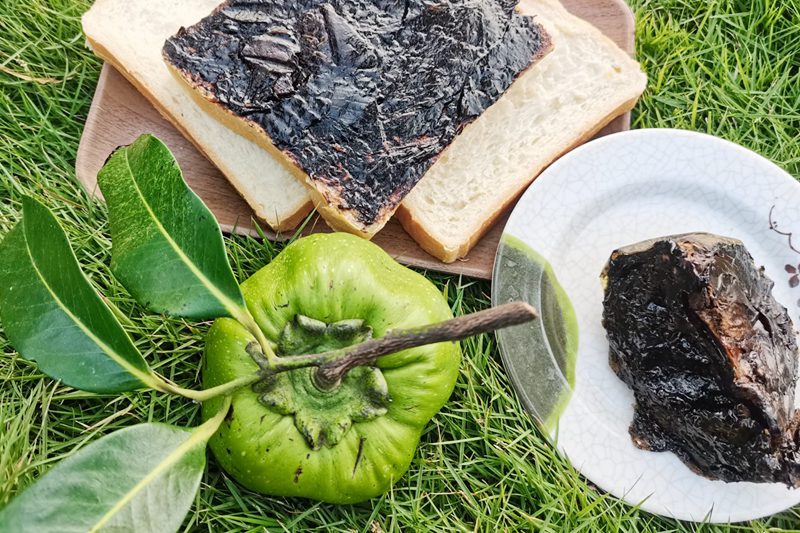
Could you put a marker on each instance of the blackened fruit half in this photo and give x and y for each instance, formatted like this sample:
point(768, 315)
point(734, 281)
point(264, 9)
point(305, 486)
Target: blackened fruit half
point(710, 354)
point(361, 95)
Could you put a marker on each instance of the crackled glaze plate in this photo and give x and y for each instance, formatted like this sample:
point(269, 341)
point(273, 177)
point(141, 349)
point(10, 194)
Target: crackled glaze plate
point(612, 192)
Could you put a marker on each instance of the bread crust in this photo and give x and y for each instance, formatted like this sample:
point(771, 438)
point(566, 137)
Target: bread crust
point(285, 224)
point(446, 254)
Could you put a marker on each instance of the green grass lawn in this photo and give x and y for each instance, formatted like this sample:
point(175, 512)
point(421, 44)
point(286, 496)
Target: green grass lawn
point(729, 68)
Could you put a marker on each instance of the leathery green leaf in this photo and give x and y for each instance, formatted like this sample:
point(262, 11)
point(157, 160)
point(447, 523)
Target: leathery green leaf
point(167, 247)
point(53, 315)
point(141, 478)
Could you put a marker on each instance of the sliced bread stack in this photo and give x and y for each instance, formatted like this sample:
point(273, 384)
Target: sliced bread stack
point(582, 84)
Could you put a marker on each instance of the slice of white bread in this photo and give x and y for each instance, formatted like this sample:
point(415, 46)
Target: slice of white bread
point(129, 34)
point(584, 83)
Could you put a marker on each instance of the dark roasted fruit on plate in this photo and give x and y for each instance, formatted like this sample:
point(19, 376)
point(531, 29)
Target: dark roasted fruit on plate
point(362, 96)
point(710, 354)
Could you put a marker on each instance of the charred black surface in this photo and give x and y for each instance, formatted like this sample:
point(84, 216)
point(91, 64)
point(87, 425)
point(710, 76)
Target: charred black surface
point(362, 94)
point(710, 354)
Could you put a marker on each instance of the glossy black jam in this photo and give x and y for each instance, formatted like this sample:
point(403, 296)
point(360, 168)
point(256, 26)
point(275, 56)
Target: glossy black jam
point(363, 95)
point(710, 354)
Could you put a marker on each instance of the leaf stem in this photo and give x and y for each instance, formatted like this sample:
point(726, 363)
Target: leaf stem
point(210, 426)
point(245, 318)
point(213, 392)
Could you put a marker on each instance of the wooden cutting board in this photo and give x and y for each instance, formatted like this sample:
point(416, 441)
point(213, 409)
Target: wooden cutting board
point(119, 114)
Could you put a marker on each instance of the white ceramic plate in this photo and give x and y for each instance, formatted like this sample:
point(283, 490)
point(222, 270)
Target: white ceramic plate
point(615, 191)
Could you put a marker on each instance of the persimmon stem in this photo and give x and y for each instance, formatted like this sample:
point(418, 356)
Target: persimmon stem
point(333, 365)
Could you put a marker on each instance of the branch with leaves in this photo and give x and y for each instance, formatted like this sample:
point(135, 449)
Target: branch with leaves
point(169, 254)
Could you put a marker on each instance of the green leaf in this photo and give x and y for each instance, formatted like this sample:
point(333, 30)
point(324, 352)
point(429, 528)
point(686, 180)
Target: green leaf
point(141, 478)
point(53, 315)
point(167, 246)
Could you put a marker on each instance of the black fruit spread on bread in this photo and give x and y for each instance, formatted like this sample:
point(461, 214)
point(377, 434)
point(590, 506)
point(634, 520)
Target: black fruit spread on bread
point(363, 95)
point(710, 354)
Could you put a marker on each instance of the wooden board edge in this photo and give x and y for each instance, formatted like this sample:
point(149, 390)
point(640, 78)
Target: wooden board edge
point(629, 27)
point(82, 172)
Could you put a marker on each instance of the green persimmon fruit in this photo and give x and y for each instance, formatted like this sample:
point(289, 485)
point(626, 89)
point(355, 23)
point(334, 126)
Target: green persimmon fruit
point(285, 436)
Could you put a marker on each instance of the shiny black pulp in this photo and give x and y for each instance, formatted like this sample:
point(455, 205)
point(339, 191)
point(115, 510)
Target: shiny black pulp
point(710, 354)
point(363, 95)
